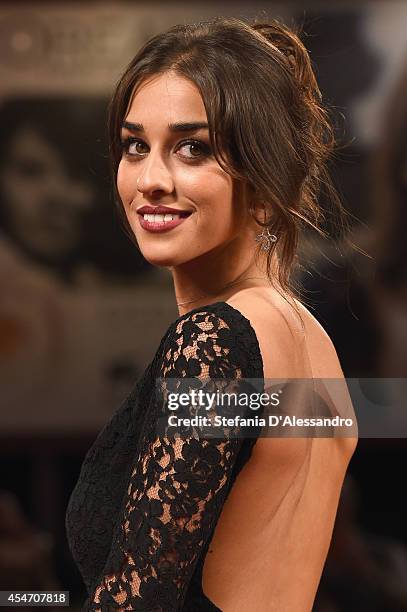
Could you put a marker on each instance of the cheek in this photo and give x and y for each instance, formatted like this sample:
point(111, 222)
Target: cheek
point(226, 211)
point(125, 182)
point(212, 192)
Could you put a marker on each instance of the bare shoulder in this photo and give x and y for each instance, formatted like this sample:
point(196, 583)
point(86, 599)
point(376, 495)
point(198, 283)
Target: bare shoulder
point(292, 342)
point(276, 333)
point(294, 346)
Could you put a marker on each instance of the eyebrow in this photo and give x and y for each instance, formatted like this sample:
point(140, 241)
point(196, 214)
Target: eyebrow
point(173, 127)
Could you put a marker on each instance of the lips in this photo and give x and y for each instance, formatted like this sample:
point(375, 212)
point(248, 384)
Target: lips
point(155, 224)
point(162, 210)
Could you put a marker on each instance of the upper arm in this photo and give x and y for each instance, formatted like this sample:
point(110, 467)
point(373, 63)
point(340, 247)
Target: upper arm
point(177, 485)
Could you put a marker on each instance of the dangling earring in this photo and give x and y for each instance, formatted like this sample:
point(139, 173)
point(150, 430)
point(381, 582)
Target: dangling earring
point(266, 237)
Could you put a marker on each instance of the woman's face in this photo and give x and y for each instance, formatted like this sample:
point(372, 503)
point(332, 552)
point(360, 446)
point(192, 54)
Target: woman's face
point(44, 205)
point(173, 167)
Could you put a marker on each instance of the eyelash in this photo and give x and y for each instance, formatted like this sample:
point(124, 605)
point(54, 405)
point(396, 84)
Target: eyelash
point(126, 142)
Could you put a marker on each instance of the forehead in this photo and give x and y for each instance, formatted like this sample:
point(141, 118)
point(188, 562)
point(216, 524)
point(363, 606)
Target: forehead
point(168, 96)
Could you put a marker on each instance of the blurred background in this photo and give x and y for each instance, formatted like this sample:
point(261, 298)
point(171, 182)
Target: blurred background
point(81, 312)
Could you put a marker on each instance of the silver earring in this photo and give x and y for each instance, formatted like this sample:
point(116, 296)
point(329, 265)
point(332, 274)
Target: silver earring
point(266, 238)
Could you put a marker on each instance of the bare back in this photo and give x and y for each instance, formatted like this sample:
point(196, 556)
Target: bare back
point(290, 346)
point(273, 534)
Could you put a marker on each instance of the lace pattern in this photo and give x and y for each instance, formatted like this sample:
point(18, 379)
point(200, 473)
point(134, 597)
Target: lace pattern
point(174, 488)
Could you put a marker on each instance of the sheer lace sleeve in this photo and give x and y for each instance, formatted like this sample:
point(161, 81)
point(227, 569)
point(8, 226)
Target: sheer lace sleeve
point(178, 485)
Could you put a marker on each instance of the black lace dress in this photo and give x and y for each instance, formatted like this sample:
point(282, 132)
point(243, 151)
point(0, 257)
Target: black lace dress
point(143, 512)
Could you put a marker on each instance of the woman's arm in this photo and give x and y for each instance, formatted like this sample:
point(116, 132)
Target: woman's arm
point(178, 486)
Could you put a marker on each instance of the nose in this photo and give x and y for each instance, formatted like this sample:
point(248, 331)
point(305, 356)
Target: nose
point(155, 176)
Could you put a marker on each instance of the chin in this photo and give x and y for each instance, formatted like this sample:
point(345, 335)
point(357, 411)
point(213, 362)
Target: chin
point(162, 259)
point(161, 263)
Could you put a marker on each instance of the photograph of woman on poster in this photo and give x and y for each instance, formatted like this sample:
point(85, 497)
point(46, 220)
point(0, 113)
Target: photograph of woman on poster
point(219, 143)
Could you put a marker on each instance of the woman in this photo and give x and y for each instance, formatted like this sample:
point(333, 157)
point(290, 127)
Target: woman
point(49, 193)
point(216, 129)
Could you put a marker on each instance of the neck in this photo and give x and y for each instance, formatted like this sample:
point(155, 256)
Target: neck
point(203, 281)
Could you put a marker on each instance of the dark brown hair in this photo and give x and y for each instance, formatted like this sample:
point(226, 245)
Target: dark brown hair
point(267, 125)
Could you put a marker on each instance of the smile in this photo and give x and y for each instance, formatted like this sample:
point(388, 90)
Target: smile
point(161, 223)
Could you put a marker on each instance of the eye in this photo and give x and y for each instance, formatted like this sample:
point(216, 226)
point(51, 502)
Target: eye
point(131, 146)
point(197, 149)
